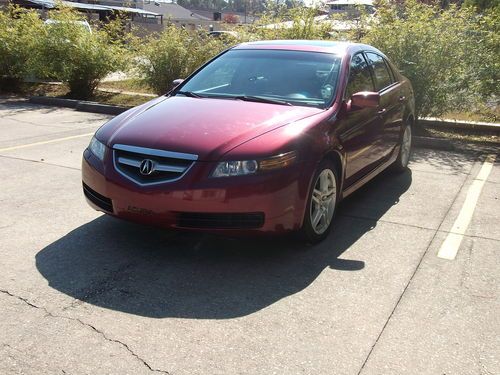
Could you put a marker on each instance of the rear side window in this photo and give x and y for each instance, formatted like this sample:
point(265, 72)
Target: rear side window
point(380, 71)
point(360, 78)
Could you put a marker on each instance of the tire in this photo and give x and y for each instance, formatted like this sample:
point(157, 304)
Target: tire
point(405, 150)
point(322, 201)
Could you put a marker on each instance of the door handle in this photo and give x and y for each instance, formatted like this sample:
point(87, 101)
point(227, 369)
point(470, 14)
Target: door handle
point(402, 98)
point(382, 111)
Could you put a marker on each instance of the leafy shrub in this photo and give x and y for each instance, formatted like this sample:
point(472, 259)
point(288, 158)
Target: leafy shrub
point(68, 52)
point(451, 55)
point(486, 53)
point(19, 32)
point(174, 53)
point(296, 23)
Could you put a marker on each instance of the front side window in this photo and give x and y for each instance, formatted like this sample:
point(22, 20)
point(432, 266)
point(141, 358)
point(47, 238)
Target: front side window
point(360, 78)
point(295, 77)
point(380, 71)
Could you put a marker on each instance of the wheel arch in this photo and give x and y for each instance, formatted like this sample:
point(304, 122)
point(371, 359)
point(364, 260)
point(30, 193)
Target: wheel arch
point(338, 159)
point(410, 117)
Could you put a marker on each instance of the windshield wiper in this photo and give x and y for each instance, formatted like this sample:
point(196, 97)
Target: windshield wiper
point(260, 99)
point(190, 94)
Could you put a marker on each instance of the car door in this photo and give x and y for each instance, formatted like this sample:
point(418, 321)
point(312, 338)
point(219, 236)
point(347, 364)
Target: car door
point(359, 128)
point(391, 103)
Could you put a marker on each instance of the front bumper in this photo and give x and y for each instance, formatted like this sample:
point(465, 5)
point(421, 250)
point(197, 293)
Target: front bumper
point(271, 202)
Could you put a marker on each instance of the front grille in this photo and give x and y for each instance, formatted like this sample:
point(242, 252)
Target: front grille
point(99, 200)
point(162, 166)
point(203, 220)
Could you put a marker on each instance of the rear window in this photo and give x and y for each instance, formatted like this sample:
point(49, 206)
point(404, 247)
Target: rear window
point(380, 71)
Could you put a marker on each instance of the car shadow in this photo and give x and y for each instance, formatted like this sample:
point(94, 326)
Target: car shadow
point(154, 273)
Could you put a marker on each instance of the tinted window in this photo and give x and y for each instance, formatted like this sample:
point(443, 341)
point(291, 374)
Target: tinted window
point(360, 78)
point(391, 72)
point(382, 76)
point(300, 78)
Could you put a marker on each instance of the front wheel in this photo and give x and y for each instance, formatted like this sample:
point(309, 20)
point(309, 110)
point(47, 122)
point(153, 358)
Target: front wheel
point(401, 163)
point(322, 204)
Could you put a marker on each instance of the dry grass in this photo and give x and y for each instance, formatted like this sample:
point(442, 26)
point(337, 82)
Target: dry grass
point(132, 85)
point(134, 100)
point(490, 115)
point(120, 99)
point(463, 135)
point(62, 91)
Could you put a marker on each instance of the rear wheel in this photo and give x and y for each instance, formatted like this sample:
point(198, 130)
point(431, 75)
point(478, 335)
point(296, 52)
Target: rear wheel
point(401, 163)
point(322, 204)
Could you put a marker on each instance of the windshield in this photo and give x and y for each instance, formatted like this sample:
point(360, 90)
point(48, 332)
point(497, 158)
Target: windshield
point(283, 77)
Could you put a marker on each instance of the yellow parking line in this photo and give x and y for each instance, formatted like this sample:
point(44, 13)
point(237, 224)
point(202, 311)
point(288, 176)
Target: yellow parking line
point(44, 142)
point(451, 244)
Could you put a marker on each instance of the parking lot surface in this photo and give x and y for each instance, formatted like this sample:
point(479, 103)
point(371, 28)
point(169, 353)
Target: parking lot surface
point(83, 293)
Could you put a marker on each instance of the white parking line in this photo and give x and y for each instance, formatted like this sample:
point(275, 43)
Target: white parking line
point(451, 244)
point(44, 142)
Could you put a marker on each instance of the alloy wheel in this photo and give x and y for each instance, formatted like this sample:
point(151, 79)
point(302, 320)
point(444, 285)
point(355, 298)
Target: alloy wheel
point(323, 201)
point(406, 146)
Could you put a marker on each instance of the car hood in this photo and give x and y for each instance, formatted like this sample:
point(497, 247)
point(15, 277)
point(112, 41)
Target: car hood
point(206, 127)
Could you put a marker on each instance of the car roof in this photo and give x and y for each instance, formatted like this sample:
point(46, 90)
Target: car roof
point(333, 47)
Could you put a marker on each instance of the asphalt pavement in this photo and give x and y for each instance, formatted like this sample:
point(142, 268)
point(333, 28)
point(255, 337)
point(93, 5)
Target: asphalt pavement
point(83, 293)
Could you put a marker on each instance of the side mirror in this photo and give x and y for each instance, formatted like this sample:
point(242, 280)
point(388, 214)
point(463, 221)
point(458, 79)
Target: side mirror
point(177, 82)
point(365, 99)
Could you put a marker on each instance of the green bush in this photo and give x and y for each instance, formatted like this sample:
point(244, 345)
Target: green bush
point(174, 53)
point(68, 52)
point(19, 32)
point(451, 55)
point(295, 23)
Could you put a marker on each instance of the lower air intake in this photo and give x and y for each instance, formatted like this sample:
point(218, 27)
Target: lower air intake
point(99, 200)
point(203, 220)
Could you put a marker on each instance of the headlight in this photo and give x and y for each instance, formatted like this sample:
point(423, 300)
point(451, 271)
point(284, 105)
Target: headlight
point(246, 167)
point(97, 148)
point(235, 168)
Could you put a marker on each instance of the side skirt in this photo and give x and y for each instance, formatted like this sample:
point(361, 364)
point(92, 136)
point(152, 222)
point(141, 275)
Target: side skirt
point(351, 189)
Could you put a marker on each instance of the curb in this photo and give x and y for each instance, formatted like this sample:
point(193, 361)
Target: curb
point(59, 102)
point(86, 106)
point(434, 143)
point(456, 124)
point(106, 109)
point(418, 141)
point(79, 105)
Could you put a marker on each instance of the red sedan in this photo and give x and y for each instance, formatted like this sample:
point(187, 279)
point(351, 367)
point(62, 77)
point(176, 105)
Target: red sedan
point(266, 137)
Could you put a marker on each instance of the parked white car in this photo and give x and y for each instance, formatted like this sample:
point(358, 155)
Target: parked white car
point(84, 24)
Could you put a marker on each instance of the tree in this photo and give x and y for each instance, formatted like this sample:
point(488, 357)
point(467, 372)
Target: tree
point(481, 5)
point(451, 55)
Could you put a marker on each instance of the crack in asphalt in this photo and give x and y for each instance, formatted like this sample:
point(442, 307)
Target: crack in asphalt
point(35, 124)
point(100, 286)
point(440, 173)
point(88, 325)
point(436, 231)
point(40, 162)
point(20, 356)
point(48, 137)
point(366, 218)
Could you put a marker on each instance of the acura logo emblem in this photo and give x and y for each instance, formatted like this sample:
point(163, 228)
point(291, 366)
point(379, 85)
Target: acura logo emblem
point(147, 167)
